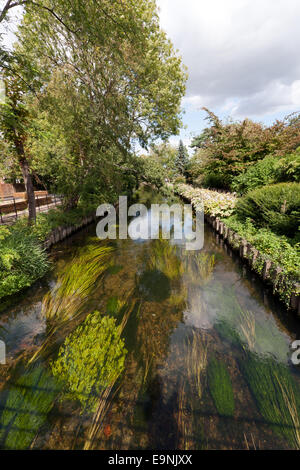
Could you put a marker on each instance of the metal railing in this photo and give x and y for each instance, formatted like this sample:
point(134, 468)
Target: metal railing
point(43, 204)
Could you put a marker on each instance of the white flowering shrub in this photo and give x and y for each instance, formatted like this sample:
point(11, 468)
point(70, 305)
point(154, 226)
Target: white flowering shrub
point(216, 204)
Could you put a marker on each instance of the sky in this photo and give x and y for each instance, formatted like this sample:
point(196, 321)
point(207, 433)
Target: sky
point(242, 56)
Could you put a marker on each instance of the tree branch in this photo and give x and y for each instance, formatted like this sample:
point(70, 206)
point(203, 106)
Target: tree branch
point(10, 4)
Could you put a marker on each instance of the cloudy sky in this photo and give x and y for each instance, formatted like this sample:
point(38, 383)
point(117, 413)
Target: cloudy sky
point(242, 57)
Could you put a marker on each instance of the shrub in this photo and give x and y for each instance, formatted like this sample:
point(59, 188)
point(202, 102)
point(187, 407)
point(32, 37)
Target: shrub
point(215, 180)
point(217, 204)
point(288, 168)
point(261, 174)
point(22, 259)
point(179, 180)
point(276, 206)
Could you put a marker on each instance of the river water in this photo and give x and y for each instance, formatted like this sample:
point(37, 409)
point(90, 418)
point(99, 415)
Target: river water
point(143, 345)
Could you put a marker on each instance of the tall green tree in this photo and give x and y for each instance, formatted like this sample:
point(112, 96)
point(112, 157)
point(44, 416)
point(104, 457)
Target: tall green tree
point(181, 160)
point(105, 85)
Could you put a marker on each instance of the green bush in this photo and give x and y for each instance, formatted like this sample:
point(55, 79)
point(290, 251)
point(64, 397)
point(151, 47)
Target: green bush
point(276, 206)
point(22, 259)
point(179, 180)
point(215, 181)
point(288, 168)
point(261, 174)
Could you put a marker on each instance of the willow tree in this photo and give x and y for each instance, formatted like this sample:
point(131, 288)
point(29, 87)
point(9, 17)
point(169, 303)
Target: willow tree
point(110, 77)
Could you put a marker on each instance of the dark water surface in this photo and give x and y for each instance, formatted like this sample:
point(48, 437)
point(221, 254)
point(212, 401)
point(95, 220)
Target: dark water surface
point(142, 345)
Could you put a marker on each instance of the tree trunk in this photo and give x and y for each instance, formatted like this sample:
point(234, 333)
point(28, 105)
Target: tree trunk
point(29, 190)
point(71, 202)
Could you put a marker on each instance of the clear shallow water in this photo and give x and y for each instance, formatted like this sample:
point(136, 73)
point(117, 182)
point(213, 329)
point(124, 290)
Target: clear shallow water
point(165, 349)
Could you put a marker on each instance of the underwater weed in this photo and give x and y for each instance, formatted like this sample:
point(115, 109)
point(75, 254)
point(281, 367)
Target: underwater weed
point(290, 401)
point(220, 387)
point(184, 422)
point(247, 327)
point(28, 403)
point(275, 393)
point(90, 360)
point(197, 361)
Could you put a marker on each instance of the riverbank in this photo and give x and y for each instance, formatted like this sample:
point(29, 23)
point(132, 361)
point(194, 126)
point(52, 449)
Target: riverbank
point(23, 248)
point(269, 255)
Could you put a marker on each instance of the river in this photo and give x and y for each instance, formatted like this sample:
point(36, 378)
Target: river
point(143, 345)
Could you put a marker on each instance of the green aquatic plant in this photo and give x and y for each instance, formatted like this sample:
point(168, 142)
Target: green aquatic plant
point(220, 387)
point(247, 327)
point(244, 328)
point(197, 361)
point(90, 360)
point(76, 281)
point(107, 394)
point(165, 259)
point(199, 267)
point(293, 409)
point(28, 403)
point(114, 306)
point(228, 333)
point(276, 394)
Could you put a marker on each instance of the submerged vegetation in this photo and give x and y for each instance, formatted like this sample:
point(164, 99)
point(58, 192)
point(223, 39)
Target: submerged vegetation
point(27, 405)
point(197, 362)
point(90, 360)
point(276, 394)
point(220, 387)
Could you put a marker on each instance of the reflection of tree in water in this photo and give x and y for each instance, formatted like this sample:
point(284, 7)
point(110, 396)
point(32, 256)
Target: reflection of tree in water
point(158, 318)
point(198, 273)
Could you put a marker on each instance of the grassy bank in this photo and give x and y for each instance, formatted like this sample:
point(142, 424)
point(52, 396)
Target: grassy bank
point(282, 250)
point(23, 260)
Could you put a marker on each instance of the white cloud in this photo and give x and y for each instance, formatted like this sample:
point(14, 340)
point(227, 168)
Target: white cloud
point(242, 55)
